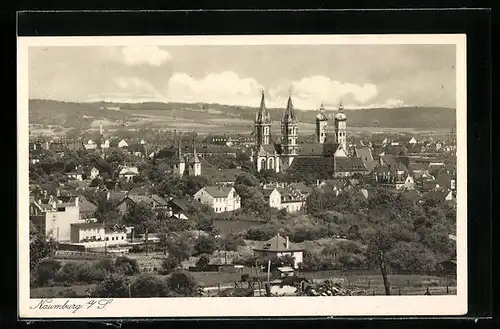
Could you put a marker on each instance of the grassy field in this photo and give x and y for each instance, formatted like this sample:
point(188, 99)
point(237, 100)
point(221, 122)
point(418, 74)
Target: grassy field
point(234, 226)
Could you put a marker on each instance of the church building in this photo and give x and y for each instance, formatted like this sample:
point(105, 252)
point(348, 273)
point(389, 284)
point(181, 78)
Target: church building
point(286, 153)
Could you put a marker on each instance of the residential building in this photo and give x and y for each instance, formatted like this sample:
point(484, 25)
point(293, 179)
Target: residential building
point(97, 234)
point(128, 172)
point(122, 144)
point(219, 198)
point(272, 197)
point(279, 246)
point(153, 201)
point(56, 218)
point(90, 145)
point(291, 199)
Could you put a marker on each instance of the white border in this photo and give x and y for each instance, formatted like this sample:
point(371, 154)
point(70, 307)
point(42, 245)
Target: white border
point(241, 307)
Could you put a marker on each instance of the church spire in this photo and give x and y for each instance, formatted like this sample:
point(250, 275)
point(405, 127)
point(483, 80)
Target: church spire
point(289, 114)
point(262, 115)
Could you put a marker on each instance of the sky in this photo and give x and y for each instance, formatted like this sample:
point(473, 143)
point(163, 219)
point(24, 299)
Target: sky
point(359, 76)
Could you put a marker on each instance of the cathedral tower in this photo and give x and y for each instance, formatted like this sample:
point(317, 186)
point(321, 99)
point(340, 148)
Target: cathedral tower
point(341, 128)
point(179, 164)
point(195, 164)
point(321, 125)
point(289, 132)
point(262, 123)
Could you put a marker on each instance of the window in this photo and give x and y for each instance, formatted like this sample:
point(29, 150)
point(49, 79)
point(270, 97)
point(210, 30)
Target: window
point(107, 238)
point(123, 237)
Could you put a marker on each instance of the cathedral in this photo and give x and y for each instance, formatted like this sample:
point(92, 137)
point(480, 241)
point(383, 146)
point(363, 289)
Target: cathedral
point(283, 153)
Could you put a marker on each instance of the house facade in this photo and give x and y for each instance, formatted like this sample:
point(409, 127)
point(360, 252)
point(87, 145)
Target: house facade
point(279, 246)
point(219, 198)
point(58, 220)
point(96, 234)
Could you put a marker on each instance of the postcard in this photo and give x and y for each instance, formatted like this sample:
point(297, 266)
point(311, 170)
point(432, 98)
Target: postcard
point(242, 176)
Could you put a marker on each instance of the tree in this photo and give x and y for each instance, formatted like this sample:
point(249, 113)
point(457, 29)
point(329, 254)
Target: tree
point(231, 242)
point(205, 245)
point(169, 264)
point(193, 184)
point(182, 284)
point(46, 270)
point(137, 215)
point(203, 261)
point(126, 266)
point(148, 285)
point(41, 247)
point(180, 248)
point(113, 286)
point(285, 260)
point(380, 244)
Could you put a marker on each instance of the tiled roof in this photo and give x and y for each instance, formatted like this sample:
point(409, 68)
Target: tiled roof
point(418, 166)
point(438, 194)
point(85, 205)
point(318, 165)
point(317, 149)
point(277, 244)
point(289, 194)
point(349, 164)
point(182, 203)
point(303, 188)
point(218, 191)
point(266, 192)
point(223, 175)
point(364, 153)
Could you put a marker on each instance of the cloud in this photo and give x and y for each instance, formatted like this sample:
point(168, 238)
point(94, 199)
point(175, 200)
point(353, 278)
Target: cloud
point(309, 92)
point(151, 55)
point(224, 87)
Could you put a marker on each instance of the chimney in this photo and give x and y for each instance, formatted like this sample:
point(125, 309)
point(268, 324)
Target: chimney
point(54, 205)
point(58, 192)
point(287, 242)
point(108, 194)
point(76, 201)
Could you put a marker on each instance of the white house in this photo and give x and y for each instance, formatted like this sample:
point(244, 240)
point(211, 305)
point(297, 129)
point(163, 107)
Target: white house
point(273, 197)
point(412, 141)
point(122, 144)
point(58, 218)
point(407, 184)
point(97, 235)
point(90, 145)
point(129, 172)
point(220, 198)
point(74, 175)
point(105, 145)
point(94, 172)
point(291, 199)
point(279, 246)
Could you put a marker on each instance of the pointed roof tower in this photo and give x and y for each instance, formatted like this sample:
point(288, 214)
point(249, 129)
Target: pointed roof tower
point(179, 157)
point(289, 115)
point(262, 115)
point(321, 116)
point(195, 156)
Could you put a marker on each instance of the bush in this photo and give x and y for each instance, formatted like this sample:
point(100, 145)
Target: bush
point(261, 233)
point(113, 286)
point(126, 265)
point(46, 270)
point(205, 245)
point(203, 261)
point(169, 264)
point(72, 273)
point(148, 285)
point(231, 242)
point(181, 284)
point(106, 264)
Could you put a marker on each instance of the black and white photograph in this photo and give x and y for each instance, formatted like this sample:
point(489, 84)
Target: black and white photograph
point(242, 175)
